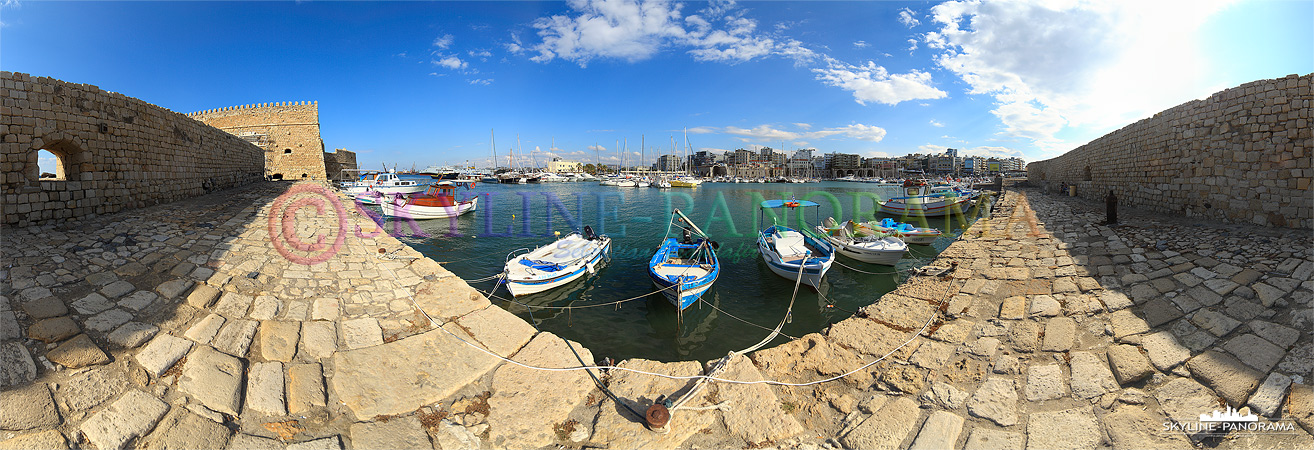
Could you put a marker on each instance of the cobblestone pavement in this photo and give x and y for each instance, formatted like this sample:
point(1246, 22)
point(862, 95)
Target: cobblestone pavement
point(185, 326)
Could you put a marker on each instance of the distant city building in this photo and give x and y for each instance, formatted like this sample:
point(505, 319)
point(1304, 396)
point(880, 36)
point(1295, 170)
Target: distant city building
point(557, 165)
point(668, 163)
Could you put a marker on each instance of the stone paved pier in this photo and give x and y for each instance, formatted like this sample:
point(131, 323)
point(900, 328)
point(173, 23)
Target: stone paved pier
point(185, 326)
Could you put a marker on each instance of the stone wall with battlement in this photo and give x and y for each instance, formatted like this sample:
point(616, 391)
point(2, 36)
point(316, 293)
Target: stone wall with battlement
point(1240, 156)
point(288, 131)
point(113, 152)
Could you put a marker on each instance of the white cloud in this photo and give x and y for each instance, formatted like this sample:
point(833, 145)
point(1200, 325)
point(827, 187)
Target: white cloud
point(861, 44)
point(873, 83)
point(1088, 64)
point(622, 29)
point(875, 154)
point(481, 81)
point(907, 19)
point(597, 148)
point(443, 42)
point(805, 126)
point(912, 45)
point(934, 123)
point(450, 62)
point(768, 133)
point(483, 55)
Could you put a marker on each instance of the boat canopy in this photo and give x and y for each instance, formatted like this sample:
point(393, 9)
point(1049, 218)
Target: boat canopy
point(787, 203)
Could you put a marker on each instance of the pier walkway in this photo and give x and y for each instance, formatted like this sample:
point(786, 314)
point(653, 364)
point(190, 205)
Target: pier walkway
point(185, 325)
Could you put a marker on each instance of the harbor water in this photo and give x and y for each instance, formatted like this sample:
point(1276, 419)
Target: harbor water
point(744, 304)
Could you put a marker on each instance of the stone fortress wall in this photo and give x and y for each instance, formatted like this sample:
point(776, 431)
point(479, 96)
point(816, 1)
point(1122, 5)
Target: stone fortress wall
point(339, 161)
point(114, 152)
point(1240, 156)
point(288, 131)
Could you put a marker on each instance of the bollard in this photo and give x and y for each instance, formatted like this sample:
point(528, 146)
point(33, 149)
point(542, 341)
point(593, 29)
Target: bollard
point(1111, 209)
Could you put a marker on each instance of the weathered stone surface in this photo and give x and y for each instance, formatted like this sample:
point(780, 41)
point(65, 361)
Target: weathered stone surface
point(360, 333)
point(887, 429)
point(173, 288)
point(1025, 336)
point(996, 400)
point(53, 330)
point(203, 331)
point(328, 443)
point(1128, 364)
point(78, 352)
point(203, 296)
point(758, 417)
point(1255, 351)
point(182, 429)
point(305, 388)
point(497, 329)
point(1159, 311)
point(16, 365)
point(319, 340)
point(443, 298)
point(138, 300)
point(132, 415)
point(1126, 323)
point(278, 340)
point(1044, 306)
point(1075, 429)
point(27, 407)
point(808, 356)
point(214, 379)
point(1184, 400)
point(1134, 428)
point(9, 328)
point(366, 378)
point(235, 337)
point(904, 378)
point(451, 435)
point(946, 395)
point(397, 433)
point(233, 305)
point(1059, 334)
point(91, 388)
point(954, 331)
point(108, 320)
point(160, 354)
point(265, 307)
point(622, 430)
point(525, 415)
point(868, 337)
point(932, 355)
point(1300, 405)
point(987, 439)
point(1164, 351)
point(264, 388)
point(940, 431)
point(1277, 334)
point(1091, 377)
point(1013, 308)
point(117, 289)
point(1267, 400)
point(1114, 300)
point(1214, 322)
point(241, 441)
point(325, 309)
point(45, 308)
point(1045, 382)
point(44, 440)
point(91, 304)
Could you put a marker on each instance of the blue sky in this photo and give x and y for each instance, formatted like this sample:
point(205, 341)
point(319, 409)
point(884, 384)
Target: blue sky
point(424, 82)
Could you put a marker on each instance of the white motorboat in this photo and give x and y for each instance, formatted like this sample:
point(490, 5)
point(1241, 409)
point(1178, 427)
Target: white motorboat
point(556, 264)
point(386, 183)
point(862, 245)
point(792, 254)
point(439, 202)
point(920, 201)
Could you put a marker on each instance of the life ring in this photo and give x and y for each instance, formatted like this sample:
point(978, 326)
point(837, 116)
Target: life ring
point(791, 204)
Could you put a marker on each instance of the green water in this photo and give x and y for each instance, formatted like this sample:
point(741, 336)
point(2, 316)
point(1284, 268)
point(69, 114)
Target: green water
point(512, 217)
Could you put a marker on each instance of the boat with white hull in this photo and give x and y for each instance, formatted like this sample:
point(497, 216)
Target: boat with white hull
point(684, 269)
point(556, 264)
point(862, 246)
point(439, 202)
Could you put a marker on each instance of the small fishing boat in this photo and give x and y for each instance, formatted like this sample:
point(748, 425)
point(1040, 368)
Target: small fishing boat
point(790, 253)
point(556, 264)
point(685, 182)
point(863, 245)
point(920, 201)
point(904, 231)
point(387, 183)
point(684, 268)
point(439, 202)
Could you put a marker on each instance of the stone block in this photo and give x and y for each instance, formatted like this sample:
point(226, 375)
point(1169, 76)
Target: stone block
point(1267, 400)
point(987, 439)
point(1126, 323)
point(235, 337)
point(305, 388)
point(1255, 351)
point(1075, 429)
point(53, 329)
point(132, 334)
point(940, 431)
point(525, 416)
point(28, 407)
point(1164, 351)
point(45, 308)
point(397, 433)
point(45, 440)
point(77, 352)
point(162, 352)
point(995, 400)
point(1045, 382)
point(1233, 380)
point(214, 379)
point(319, 340)
point(1060, 332)
point(366, 378)
point(182, 429)
point(887, 429)
point(132, 415)
point(1128, 364)
point(278, 340)
point(498, 330)
point(360, 333)
point(203, 296)
point(264, 389)
point(1133, 428)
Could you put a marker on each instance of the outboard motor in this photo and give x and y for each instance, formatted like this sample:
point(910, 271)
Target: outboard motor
point(688, 237)
point(589, 234)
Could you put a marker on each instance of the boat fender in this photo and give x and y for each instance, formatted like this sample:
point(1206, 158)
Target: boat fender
point(715, 245)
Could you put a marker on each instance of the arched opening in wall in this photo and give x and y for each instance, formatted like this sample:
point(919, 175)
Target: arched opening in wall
point(1085, 174)
point(303, 175)
point(287, 151)
point(50, 166)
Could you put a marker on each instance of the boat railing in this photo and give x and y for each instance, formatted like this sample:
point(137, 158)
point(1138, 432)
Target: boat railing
point(513, 253)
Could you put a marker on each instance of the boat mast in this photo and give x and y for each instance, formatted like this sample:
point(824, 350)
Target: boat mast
point(493, 140)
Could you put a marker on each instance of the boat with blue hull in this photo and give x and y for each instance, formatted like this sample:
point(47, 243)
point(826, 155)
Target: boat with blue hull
point(793, 254)
point(684, 269)
point(556, 264)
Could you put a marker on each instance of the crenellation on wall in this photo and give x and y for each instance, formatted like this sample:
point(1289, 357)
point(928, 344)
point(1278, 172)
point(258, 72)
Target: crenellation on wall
point(1240, 155)
point(115, 152)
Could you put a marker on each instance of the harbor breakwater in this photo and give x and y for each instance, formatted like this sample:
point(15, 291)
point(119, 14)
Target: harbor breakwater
point(1242, 155)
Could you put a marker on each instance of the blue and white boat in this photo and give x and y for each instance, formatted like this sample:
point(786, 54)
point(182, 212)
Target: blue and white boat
point(556, 264)
point(790, 253)
point(684, 268)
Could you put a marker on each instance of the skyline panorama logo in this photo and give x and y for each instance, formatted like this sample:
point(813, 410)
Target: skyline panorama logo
point(1228, 420)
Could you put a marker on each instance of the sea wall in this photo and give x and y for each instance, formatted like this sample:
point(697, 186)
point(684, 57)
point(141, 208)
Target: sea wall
point(112, 152)
point(1241, 156)
point(288, 131)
